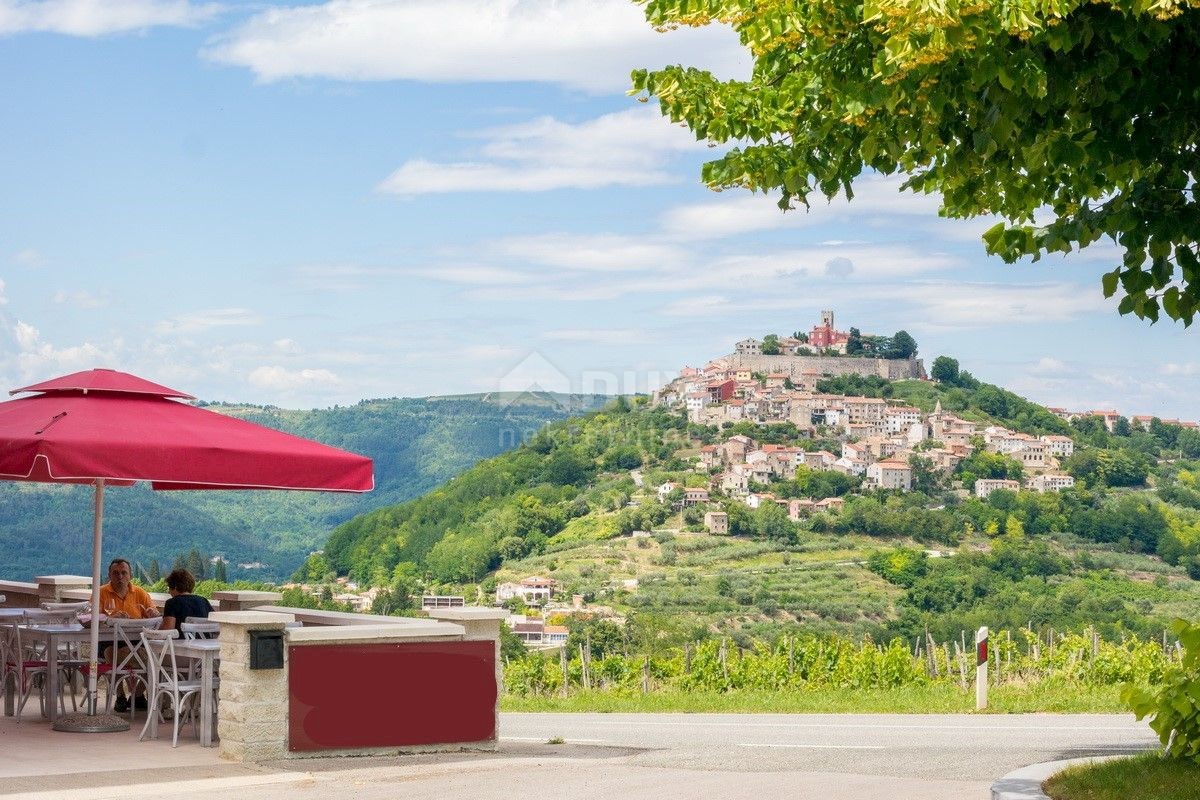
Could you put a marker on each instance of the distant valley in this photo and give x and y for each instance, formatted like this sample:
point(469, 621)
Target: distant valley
point(417, 444)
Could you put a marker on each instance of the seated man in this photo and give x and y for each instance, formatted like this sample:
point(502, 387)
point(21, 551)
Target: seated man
point(120, 599)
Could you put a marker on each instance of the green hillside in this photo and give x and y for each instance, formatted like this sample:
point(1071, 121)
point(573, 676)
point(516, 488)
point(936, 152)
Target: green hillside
point(1115, 551)
point(416, 443)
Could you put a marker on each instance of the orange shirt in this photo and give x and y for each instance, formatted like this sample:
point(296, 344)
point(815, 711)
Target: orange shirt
point(136, 599)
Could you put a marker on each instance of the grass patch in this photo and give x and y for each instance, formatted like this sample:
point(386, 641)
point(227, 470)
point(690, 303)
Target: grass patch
point(936, 699)
point(1146, 777)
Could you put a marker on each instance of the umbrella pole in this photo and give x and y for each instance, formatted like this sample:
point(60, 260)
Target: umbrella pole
point(93, 722)
point(94, 641)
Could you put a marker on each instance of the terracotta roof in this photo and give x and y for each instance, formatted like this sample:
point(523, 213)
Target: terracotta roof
point(893, 463)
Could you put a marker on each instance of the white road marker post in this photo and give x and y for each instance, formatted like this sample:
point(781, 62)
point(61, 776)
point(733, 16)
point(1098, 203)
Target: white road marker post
point(981, 668)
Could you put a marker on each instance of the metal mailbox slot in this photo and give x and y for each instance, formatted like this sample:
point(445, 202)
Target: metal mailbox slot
point(266, 649)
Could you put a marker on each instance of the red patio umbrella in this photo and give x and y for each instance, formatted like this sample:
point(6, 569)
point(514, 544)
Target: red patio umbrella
point(103, 427)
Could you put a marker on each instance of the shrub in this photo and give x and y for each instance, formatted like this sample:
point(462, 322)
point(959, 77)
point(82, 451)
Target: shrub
point(1174, 708)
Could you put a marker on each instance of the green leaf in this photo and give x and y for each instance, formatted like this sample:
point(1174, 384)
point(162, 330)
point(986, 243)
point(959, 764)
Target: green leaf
point(1109, 282)
point(991, 237)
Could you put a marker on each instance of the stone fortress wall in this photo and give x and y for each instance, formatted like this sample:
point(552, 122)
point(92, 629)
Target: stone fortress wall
point(795, 366)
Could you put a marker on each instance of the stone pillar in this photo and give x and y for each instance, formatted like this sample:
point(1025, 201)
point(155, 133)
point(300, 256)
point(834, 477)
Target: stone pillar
point(244, 600)
point(253, 712)
point(51, 587)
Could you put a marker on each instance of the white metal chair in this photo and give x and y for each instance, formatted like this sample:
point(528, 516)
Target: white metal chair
point(199, 630)
point(25, 664)
point(130, 665)
point(73, 607)
point(166, 681)
point(42, 616)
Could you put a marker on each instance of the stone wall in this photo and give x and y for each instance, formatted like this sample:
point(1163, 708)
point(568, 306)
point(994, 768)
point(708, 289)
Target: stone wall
point(795, 366)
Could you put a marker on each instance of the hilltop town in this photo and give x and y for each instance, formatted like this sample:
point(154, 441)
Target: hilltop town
point(719, 498)
point(881, 443)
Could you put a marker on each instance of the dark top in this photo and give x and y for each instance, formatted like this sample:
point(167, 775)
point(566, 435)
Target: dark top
point(182, 606)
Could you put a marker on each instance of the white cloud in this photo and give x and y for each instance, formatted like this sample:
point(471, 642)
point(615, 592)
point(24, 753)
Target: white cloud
point(198, 321)
point(489, 352)
point(92, 18)
point(1189, 368)
point(597, 253)
point(877, 198)
point(597, 336)
point(37, 358)
point(625, 148)
point(26, 335)
point(280, 379)
point(3, 296)
point(583, 44)
point(81, 299)
point(479, 275)
point(1049, 366)
point(28, 257)
point(343, 277)
point(968, 305)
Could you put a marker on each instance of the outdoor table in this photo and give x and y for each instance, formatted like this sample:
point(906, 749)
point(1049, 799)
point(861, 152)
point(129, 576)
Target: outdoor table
point(208, 652)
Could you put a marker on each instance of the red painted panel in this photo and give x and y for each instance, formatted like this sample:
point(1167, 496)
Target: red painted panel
point(391, 695)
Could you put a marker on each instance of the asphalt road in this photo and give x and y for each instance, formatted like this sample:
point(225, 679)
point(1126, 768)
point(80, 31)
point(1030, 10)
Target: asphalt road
point(655, 756)
point(940, 747)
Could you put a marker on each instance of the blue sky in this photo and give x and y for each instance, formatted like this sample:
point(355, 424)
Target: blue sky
point(310, 204)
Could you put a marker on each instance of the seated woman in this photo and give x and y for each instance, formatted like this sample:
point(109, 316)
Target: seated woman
point(183, 603)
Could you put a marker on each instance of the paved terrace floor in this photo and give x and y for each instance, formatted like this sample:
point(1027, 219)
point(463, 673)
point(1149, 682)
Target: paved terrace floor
point(831, 757)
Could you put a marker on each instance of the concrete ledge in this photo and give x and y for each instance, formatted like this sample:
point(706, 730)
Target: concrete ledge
point(467, 613)
point(250, 617)
point(430, 631)
point(244, 599)
point(1026, 783)
point(312, 616)
point(160, 598)
point(63, 580)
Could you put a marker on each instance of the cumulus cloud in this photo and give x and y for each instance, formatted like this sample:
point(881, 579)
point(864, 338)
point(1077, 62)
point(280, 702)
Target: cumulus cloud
point(198, 321)
point(625, 148)
point(1171, 368)
point(280, 379)
point(36, 358)
point(28, 257)
point(91, 18)
point(582, 44)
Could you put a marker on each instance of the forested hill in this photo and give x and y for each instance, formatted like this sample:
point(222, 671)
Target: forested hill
point(416, 443)
point(1116, 549)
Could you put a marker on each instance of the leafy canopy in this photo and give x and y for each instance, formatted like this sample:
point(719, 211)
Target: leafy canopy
point(1087, 108)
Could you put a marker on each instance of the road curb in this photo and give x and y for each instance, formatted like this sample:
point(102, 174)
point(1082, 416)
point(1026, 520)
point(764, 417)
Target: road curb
point(1026, 783)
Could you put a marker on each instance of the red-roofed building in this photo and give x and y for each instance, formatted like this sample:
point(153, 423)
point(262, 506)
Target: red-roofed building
point(825, 335)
